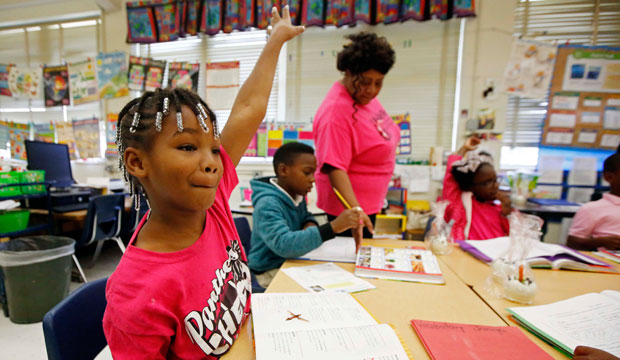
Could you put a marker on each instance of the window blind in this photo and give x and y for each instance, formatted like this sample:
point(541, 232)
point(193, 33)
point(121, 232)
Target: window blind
point(590, 22)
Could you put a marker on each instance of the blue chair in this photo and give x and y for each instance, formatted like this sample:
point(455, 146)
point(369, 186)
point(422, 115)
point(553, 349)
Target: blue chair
point(245, 235)
point(132, 219)
point(103, 222)
point(73, 328)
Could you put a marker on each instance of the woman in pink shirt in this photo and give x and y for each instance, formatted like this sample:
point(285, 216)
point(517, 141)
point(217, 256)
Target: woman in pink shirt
point(477, 206)
point(355, 138)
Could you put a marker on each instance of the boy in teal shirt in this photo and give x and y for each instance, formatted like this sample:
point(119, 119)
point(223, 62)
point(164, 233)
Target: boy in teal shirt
point(282, 226)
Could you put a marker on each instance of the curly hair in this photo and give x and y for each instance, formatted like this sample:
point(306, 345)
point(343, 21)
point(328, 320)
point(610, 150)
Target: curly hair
point(365, 52)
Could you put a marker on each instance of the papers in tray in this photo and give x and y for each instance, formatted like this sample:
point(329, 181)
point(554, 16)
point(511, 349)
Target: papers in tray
point(327, 277)
point(543, 255)
point(319, 326)
point(339, 249)
point(591, 320)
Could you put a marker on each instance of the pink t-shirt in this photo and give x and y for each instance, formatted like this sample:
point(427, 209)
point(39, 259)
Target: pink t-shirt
point(361, 142)
point(188, 304)
point(598, 218)
point(487, 221)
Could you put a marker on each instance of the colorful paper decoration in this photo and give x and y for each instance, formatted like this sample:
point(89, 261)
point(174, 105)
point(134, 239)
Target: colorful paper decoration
point(363, 11)
point(141, 24)
point(312, 13)
point(414, 10)
point(279, 135)
point(83, 82)
point(64, 133)
point(44, 132)
point(56, 85)
point(222, 84)
point(192, 19)
point(154, 74)
point(4, 80)
point(168, 21)
point(252, 148)
point(387, 11)
point(137, 72)
point(183, 75)
point(263, 12)
point(18, 134)
point(110, 135)
point(211, 18)
point(86, 133)
point(464, 8)
point(441, 9)
point(25, 82)
point(294, 8)
point(340, 12)
point(403, 121)
point(261, 140)
point(112, 75)
point(239, 15)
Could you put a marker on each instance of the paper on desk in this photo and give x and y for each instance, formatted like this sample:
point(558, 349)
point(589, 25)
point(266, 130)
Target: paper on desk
point(583, 171)
point(327, 277)
point(579, 195)
point(550, 168)
point(339, 249)
point(8, 204)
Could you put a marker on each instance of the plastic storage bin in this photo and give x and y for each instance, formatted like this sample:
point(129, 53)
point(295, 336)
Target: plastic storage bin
point(13, 220)
point(6, 178)
point(37, 274)
point(32, 176)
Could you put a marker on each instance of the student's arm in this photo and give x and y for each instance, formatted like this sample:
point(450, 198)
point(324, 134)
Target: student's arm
point(250, 105)
point(579, 243)
point(589, 353)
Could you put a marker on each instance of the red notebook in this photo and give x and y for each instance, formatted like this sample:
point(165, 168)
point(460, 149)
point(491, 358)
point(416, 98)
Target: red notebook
point(445, 341)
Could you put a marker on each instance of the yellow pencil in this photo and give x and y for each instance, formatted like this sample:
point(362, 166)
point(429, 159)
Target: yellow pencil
point(342, 199)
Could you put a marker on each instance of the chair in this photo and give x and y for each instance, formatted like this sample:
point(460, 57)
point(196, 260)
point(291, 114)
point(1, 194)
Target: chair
point(103, 222)
point(245, 235)
point(132, 219)
point(73, 328)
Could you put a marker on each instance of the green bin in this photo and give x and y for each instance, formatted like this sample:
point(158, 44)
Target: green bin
point(37, 275)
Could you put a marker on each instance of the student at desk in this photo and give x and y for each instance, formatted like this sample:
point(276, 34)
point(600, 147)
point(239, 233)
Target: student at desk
point(283, 227)
point(597, 223)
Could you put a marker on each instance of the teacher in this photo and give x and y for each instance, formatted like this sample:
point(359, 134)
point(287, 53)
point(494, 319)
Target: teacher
point(354, 136)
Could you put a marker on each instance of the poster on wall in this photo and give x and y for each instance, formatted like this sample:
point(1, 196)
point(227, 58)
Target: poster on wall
point(44, 132)
point(112, 75)
point(4, 134)
point(56, 85)
point(222, 84)
point(86, 133)
point(154, 74)
point(137, 73)
point(83, 82)
point(529, 68)
point(4, 80)
point(25, 83)
point(110, 135)
point(403, 121)
point(64, 133)
point(584, 98)
point(18, 134)
point(183, 75)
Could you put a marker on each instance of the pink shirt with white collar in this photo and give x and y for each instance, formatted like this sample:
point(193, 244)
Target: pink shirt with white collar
point(598, 218)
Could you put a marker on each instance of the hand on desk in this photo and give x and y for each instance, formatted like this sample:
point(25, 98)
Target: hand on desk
point(588, 353)
point(358, 233)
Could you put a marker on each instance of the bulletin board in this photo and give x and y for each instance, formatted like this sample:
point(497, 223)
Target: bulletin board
point(584, 98)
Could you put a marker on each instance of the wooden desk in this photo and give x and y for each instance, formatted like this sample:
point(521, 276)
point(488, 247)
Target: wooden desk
point(553, 285)
point(396, 303)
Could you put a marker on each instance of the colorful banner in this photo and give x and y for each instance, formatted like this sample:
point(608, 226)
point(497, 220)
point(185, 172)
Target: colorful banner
point(83, 82)
point(44, 132)
point(4, 80)
point(141, 25)
point(154, 74)
point(18, 134)
point(183, 75)
point(222, 84)
point(112, 75)
point(110, 135)
point(56, 85)
point(529, 69)
point(64, 131)
point(86, 133)
point(25, 82)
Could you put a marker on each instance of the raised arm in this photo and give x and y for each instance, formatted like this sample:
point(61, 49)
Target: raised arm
point(250, 105)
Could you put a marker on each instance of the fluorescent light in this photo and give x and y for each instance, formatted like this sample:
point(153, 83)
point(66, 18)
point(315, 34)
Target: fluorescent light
point(38, 109)
point(79, 24)
point(54, 27)
point(34, 28)
point(22, 110)
point(11, 31)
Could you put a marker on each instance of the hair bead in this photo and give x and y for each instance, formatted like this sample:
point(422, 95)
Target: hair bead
point(179, 121)
point(158, 118)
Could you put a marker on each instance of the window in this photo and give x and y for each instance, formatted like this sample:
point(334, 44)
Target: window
point(244, 47)
point(592, 22)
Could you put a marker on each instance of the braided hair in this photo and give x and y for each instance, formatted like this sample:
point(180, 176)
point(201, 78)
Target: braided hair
point(142, 118)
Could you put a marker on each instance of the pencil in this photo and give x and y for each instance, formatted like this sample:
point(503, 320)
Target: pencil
point(342, 199)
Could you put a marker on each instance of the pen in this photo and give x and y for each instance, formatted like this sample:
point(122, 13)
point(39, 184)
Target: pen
point(342, 199)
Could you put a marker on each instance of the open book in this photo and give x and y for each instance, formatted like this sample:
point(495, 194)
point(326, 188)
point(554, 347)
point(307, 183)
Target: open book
point(543, 255)
point(613, 255)
point(320, 326)
point(591, 320)
point(413, 264)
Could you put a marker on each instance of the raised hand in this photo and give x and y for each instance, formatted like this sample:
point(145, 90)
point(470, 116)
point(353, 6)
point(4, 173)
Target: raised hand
point(281, 28)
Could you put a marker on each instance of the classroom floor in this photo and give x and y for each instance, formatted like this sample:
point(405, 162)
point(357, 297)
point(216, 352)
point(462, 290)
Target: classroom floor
point(26, 341)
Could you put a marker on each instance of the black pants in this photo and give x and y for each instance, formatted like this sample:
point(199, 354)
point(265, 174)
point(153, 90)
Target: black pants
point(367, 234)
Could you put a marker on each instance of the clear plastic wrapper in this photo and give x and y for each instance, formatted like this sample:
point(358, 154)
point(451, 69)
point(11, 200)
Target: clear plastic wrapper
point(439, 237)
point(511, 276)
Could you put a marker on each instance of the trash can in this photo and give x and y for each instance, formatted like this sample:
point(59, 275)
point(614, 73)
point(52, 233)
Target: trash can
point(37, 275)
